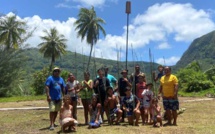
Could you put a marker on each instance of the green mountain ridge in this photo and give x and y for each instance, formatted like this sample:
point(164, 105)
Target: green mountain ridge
point(201, 50)
point(76, 63)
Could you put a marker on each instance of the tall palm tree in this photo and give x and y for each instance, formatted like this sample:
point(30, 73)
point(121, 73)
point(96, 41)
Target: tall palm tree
point(11, 32)
point(53, 45)
point(89, 26)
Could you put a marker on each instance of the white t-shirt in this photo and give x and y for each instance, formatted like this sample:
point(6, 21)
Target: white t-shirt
point(147, 96)
point(72, 85)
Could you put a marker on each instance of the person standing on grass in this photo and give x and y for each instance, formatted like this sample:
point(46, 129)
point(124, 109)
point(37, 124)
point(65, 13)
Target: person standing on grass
point(86, 92)
point(113, 81)
point(55, 88)
point(111, 103)
point(160, 73)
point(130, 108)
point(123, 82)
point(101, 83)
point(147, 98)
point(140, 87)
point(73, 88)
point(169, 90)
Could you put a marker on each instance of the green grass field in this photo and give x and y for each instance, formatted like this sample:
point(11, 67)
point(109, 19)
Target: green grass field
point(198, 118)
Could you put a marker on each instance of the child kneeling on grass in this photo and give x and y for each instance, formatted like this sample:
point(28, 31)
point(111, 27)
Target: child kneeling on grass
point(156, 113)
point(66, 119)
point(95, 113)
point(129, 107)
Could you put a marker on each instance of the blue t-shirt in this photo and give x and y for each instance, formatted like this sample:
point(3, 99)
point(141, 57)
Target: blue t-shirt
point(111, 79)
point(55, 85)
point(160, 74)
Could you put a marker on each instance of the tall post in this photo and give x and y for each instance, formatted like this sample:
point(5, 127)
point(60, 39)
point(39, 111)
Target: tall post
point(128, 11)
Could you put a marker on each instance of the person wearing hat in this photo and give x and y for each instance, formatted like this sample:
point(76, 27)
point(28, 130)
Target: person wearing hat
point(147, 98)
point(123, 82)
point(55, 87)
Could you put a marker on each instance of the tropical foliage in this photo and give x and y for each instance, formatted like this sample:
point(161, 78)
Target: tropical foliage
point(53, 45)
point(12, 32)
point(192, 79)
point(89, 27)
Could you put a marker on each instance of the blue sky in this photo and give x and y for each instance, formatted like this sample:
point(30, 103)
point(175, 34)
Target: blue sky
point(167, 27)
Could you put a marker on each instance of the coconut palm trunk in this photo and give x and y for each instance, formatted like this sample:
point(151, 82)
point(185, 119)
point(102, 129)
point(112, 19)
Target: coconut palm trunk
point(91, 49)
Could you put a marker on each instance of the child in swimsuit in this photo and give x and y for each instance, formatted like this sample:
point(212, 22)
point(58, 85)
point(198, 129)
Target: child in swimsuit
point(66, 119)
point(156, 113)
point(111, 104)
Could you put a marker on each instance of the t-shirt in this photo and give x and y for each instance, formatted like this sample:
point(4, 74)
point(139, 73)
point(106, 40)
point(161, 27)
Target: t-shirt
point(111, 79)
point(139, 90)
point(72, 85)
point(168, 85)
point(122, 86)
point(86, 93)
point(160, 74)
point(129, 102)
point(55, 84)
point(147, 97)
point(102, 81)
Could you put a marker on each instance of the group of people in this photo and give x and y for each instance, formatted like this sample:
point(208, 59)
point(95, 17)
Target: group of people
point(133, 95)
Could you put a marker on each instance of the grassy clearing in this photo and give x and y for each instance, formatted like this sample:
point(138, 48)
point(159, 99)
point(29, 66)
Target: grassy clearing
point(198, 118)
point(22, 98)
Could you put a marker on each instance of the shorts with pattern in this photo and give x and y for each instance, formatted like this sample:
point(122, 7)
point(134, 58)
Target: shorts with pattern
point(170, 104)
point(113, 111)
point(55, 105)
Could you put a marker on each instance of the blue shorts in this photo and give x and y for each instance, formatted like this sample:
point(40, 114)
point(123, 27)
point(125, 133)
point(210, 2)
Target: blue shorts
point(170, 104)
point(74, 98)
point(130, 113)
point(93, 124)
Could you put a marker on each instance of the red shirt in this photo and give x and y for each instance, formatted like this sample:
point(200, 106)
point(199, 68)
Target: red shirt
point(140, 88)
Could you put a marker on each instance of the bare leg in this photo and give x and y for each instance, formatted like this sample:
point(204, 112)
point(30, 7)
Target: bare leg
point(137, 115)
point(168, 113)
point(174, 114)
point(85, 104)
point(142, 115)
point(74, 110)
point(130, 120)
point(119, 115)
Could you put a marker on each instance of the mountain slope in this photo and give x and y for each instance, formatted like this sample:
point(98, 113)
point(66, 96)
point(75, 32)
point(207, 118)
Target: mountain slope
point(202, 50)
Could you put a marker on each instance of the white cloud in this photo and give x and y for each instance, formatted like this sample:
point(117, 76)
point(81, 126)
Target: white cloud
point(164, 45)
point(95, 3)
point(181, 20)
point(169, 61)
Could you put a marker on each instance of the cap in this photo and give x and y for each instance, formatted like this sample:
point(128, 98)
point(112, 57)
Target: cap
point(56, 68)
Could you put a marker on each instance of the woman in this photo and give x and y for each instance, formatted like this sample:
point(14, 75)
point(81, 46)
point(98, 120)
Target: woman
point(73, 87)
point(86, 92)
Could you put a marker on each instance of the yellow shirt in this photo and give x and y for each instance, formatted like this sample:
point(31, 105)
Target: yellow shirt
point(168, 85)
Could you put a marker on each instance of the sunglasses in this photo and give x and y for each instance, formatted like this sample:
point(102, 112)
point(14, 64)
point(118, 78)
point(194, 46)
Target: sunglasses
point(57, 71)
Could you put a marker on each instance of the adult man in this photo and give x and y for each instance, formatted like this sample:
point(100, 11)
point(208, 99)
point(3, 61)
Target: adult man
point(160, 74)
point(111, 78)
point(123, 82)
point(169, 90)
point(100, 85)
point(55, 87)
point(134, 78)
